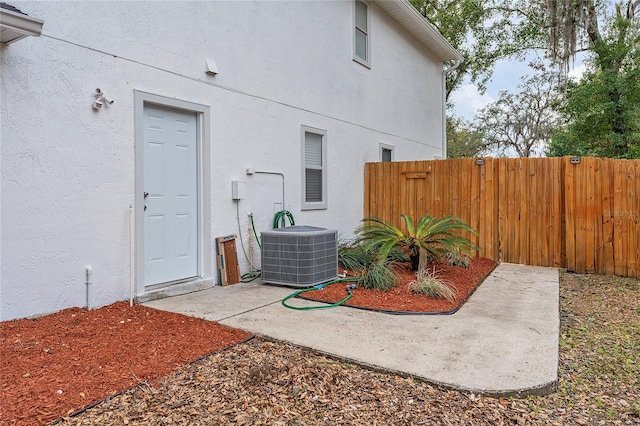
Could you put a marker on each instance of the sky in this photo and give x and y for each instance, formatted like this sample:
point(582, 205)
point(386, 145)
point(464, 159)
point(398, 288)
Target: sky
point(468, 101)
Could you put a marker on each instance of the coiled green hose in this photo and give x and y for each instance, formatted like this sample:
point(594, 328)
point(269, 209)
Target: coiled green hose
point(349, 289)
point(280, 219)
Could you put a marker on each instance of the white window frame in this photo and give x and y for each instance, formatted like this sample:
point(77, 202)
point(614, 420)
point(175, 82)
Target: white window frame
point(367, 31)
point(321, 205)
point(385, 146)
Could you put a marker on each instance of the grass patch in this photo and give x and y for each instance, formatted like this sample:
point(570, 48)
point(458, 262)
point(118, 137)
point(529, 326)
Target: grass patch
point(599, 350)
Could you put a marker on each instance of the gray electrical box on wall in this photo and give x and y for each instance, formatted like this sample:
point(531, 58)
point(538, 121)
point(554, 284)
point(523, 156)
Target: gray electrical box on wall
point(237, 190)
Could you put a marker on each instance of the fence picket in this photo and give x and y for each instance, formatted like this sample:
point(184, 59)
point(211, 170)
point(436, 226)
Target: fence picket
point(597, 202)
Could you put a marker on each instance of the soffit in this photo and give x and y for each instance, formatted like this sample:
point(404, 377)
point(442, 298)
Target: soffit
point(15, 25)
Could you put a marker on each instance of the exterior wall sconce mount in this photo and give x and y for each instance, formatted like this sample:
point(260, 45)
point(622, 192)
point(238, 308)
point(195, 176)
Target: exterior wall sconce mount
point(101, 99)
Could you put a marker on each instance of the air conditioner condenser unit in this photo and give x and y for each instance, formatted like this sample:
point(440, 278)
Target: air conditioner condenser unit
point(299, 256)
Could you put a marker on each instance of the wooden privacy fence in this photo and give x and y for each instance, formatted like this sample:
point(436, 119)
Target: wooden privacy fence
point(583, 216)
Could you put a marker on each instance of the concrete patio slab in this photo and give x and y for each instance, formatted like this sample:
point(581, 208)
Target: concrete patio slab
point(503, 341)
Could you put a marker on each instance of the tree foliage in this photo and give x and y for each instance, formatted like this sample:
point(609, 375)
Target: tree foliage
point(601, 112)
point(521, 123)
point(463, 141)
point(484, 32)
point(574, 25)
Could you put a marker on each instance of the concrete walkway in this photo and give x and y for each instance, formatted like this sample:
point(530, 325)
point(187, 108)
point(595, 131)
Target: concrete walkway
point(503, 341)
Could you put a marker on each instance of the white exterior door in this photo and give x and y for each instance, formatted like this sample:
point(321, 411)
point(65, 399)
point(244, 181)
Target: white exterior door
point(170, 195)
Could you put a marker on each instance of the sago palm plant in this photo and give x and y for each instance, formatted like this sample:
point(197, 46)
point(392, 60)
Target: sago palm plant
point(430, 238)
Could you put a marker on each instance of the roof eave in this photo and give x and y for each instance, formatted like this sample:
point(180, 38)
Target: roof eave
point(417, 25)
point(16, 26)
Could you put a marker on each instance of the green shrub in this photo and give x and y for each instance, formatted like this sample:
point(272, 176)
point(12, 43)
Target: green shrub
point(379, 276)
point(354, 256)
point(376, 274)
point(357, 257)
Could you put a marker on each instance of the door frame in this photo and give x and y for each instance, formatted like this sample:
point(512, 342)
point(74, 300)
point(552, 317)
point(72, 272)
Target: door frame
point(205, 270)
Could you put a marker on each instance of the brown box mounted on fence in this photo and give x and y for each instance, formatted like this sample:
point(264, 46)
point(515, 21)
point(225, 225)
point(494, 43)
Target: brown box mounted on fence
point(228, 260)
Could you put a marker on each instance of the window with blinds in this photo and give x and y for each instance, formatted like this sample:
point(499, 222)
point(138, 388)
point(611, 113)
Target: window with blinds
point(314, 173)
point(361, 38)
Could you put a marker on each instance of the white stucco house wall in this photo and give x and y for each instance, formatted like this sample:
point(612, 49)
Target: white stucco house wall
point(96, 185)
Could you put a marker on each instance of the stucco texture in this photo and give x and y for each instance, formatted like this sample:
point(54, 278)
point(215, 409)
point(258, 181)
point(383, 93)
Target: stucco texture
point(69, 171)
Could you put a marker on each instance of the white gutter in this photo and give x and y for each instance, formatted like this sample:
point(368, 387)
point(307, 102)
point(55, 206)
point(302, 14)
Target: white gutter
point(444, 104)
point(453, 67)
point(15, 26)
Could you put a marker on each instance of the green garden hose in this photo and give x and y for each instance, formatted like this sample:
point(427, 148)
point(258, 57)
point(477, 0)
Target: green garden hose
point(250, 276)
point(255, 274)
point(350, 289)
point(253, 225)
point(280, 219)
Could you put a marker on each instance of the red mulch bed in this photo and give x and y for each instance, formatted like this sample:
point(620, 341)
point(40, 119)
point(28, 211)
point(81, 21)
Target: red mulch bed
point(57, 364)
point(401, 299)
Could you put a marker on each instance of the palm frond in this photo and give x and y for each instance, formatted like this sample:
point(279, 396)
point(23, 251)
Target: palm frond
point(411, 229)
